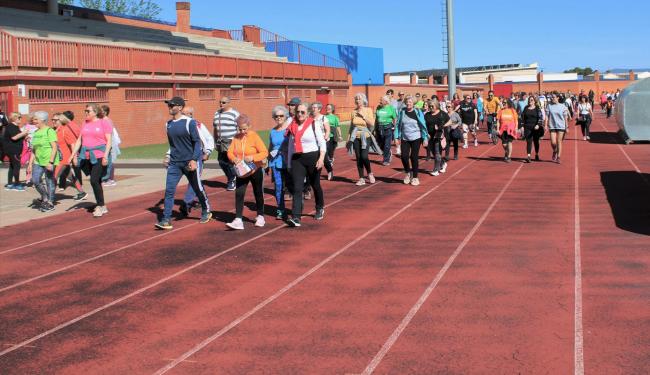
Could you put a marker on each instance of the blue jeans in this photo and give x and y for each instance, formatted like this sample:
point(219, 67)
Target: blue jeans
point(279, 180)
point(175, 171)
point(44, 188)
point(226, 166)
point(190, 195)
point(386, 134)
point(109, 169)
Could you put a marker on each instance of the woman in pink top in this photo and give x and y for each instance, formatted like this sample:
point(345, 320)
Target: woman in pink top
point(507, 121)
point(90, 151)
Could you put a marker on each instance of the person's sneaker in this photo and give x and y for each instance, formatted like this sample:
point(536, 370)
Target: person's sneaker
point(584, 138)
point(434, 173)
point(320, 214)
point(294, 222)
point(476, 143)
point(47, 207)
point(236, 224)
point(9, 187)
point(371, 178)
point(307, 195)
point(330, 176)
point(444, 168)
point(527, 159)
point(259, 221)
point(361, 182)
point(164, 225)
point(554, 156)
point(231, 185)
point(104, 210)
point(81, 196)
point(465, 145)
point(407, 179)
point(588, 138)
point(557, 160)
point(19, 187)
point(60, 189)
point(279, 215)
point(205, 217)
point(184, 210)
point(415, 181)
point(109, 183)
point(385, 163)
point(536, 157)
point(506, 159)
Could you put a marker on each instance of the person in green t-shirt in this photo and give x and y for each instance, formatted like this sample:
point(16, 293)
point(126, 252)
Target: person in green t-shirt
point(386, 116)
point(44, 159)
point(419, 101)
point(333, 141)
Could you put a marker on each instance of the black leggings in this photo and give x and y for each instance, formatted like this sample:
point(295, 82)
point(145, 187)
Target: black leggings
point(451, 141)
point(363, 161)
point(410, 153)
point(96, 171)
point(257, 180)
point(532, 139)
point(329, 156)
point(585, 125)
point(304, 165)
point(14, 169)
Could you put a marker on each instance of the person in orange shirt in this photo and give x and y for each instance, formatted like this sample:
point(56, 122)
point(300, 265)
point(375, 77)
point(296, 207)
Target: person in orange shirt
point(507, 121)
point(66, 139)
point(247, 148)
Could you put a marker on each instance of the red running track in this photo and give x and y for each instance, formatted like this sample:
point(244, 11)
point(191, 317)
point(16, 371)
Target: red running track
point(474, 271)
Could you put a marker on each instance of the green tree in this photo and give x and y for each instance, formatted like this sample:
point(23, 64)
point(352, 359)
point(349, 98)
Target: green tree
point(140, 8)
point(582, 71)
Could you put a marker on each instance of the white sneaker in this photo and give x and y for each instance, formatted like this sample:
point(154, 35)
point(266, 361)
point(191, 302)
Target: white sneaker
point(371, 178)
point(361, 182)
point(434, 173)
point(259, 221)
point(237, 224)
point(476, 143)
point(98, 212)
point(444, 168)
point(465, 145)
point(330, 176)
point(415, 181)
point(104, 210)
point(407, 179)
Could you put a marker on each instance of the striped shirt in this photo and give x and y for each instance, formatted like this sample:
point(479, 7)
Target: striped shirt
point(225, 125)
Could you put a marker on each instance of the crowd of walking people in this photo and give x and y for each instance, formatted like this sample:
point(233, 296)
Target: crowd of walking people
point(57, 152)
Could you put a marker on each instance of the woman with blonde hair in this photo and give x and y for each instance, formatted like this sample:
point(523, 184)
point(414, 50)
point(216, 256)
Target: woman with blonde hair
point(362, 119)
point(410, 134)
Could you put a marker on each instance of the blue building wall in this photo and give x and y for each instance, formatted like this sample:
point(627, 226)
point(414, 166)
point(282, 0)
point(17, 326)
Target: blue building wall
point(366, 64)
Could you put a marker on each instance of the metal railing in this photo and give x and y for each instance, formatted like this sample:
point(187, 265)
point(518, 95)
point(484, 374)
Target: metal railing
point(19, 53)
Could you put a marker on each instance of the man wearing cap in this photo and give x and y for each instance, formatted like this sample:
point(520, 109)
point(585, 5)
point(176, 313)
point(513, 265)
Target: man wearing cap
point(225, 129)
point(185, 149)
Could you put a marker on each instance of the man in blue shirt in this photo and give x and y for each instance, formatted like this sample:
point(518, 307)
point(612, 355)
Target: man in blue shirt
point(184, 152)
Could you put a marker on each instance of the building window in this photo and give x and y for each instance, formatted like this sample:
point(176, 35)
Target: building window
point(145, 95)
point(271, 94)
point(231, 94)
point(68, 95)
point(206, 94)
point(251, 94)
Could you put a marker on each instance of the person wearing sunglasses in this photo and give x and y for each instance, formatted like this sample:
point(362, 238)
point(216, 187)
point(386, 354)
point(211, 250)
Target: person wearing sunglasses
point(207, 146)
point(225, 128)
point(66, 140)
point(182, 160)
point(248, 148)
point(12, 147)
point(307, 156)
point(43, 161)
point(278, 143)
point(91, 152)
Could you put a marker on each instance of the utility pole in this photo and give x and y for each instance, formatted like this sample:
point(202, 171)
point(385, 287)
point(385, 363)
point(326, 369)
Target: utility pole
point(451, 60)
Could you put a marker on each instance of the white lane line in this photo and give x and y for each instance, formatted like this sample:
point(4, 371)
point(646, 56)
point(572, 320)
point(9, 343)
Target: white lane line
point(302, 277)
point(627, 156)
point(578, 355)
point(167, 278)
point(59, 270)
point(420, 302)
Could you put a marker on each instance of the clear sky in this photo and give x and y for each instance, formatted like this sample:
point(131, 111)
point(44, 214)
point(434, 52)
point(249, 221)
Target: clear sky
point(556, 34)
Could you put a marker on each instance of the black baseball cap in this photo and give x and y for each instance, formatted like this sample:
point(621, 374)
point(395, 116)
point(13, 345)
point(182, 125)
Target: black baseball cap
point(295, 101)
point(176, 100)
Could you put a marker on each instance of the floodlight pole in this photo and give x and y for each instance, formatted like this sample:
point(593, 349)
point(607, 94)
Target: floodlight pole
point(451, 59)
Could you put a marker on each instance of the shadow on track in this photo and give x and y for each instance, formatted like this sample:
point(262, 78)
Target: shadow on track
point(629, 197)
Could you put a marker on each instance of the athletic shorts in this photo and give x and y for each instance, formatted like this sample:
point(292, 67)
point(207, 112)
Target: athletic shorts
point(505, 137)
point(557, 130)
point(472, 128)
